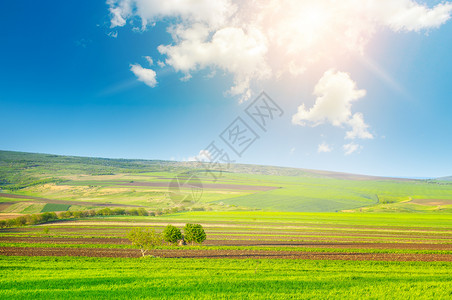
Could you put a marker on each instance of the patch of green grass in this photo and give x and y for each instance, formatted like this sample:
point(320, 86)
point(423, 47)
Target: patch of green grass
point(50, 207)
point(25, 208)
point(34, 208)
point(7, 199)
point(377, 220)
point(158, 278)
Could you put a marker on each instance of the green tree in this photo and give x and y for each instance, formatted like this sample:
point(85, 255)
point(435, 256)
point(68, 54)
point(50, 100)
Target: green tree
point(3, 224)
point(172, 234)
point(145, 239)
point(194, 233)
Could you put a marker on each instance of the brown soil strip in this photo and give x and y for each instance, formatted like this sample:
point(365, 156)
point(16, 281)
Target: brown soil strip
point(46, 200)
point(9, 216)
point(329, 234)
point(320, 244)
point(245, 225)
point(411, 246)
point(64, 240)
point(5, 205)
point(180, 253)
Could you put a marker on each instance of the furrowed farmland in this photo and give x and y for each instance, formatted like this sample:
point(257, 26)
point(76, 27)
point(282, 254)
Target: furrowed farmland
point(271, 232)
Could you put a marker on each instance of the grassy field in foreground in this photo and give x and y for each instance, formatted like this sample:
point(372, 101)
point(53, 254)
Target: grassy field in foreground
point(28, 277)
point(102, 278)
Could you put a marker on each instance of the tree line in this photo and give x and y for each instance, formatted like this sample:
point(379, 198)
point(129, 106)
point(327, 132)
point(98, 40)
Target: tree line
point(34, 219)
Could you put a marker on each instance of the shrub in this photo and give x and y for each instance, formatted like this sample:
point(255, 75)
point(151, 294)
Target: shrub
point(142, 212)
point(20, 221)
point(77, 214)
point(132, 212)
point(145, 239)
point(194, 233)
point(65, 215)
point(48, 216)
point(104, 212)
point(10, 222)
point(118, 211)
point(35, 219)
point(172, 234)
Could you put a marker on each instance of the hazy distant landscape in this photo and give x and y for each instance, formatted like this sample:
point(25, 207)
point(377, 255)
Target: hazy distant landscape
point(83, 183)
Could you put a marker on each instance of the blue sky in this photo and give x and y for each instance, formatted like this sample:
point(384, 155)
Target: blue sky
point(66, 85)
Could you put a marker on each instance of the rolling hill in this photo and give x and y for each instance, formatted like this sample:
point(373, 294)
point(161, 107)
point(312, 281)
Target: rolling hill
point(31, 182)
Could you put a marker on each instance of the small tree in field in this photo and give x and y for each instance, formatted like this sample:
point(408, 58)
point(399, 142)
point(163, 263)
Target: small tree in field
point(172, 234)
point(145, 239)
point(194, 233)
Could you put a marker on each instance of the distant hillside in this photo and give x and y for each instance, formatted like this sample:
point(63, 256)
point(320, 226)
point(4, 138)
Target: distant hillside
point(448, 178)
point(21, 169)
point(31, 182)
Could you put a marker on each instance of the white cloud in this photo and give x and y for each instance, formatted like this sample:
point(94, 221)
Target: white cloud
point(214, 13)
point(149, 59)
point(407, 15)
point(235, 50)
point(324, 148)
point(335, 92)
point(350, 148)
point(260, 39)
point(147, 76)
point(359, 128)
point(113, 34)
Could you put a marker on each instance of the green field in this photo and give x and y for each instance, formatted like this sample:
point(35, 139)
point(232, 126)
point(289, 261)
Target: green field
point(105, 278)
point(49, 207)
point(325, 254)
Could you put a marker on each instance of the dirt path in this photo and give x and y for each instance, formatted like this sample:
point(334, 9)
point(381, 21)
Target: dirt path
point(243, 254)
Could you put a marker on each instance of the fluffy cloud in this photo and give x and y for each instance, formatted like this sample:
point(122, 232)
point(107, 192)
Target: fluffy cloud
point(335, 92)
point(350, 148)
point(260, 39)
point(147, 76)
point(324, 148)
point(407, 15)
point(235, 50)
point(149, 59)
point(214, 13)
point(359, 128)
